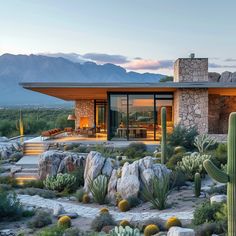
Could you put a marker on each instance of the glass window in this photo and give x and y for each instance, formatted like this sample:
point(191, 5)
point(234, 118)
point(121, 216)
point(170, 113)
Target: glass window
point(141, 117)
point(118, 116)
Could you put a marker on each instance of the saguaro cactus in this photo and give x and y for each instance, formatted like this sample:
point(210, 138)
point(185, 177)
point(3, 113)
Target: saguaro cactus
point(197, 184)
point(163, 133)
point(230, 176)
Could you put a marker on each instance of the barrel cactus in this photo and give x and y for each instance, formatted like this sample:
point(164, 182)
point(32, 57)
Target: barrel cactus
point(151, 230)
point(124, 223)
point(123, 205)
point(172, 221)
point(230, 176)
point(86, 198)
point(197, 185)
point(104, 210)
point(163, 133)
point(64, 221)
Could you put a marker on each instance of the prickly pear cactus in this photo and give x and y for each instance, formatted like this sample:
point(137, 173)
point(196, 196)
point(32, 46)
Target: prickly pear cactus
point(230, 177)
point(163, 133)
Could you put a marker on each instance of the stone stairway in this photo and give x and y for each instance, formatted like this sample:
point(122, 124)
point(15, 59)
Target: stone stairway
point(34, 148)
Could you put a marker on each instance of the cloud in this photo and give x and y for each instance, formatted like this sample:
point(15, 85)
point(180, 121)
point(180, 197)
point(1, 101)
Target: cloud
point(214, 65)
point(145, 64)
point(230, 60)
point(105, 58)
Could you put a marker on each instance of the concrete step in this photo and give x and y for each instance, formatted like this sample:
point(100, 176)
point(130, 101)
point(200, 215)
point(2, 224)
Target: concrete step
point(29, 170)
point(28, 162)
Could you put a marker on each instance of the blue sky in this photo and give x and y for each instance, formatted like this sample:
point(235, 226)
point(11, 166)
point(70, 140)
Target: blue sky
point(142, 35)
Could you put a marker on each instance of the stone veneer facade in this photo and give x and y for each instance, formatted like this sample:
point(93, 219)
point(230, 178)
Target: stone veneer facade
point(191, 70)
point(84, 108)
point(191, 105)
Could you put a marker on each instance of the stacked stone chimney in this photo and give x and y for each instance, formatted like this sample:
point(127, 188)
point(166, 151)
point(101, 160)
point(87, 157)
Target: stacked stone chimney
point(191, 104)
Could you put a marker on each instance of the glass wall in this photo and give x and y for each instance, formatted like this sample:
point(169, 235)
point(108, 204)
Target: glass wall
point(101, 116)
point(138, 116)
point(141, 116)
point(118, 117)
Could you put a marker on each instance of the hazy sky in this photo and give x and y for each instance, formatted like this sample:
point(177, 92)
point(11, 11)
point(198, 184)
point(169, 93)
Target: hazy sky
point(142, 35)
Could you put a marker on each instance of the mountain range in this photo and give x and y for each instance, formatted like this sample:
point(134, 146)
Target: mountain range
point(39, 68)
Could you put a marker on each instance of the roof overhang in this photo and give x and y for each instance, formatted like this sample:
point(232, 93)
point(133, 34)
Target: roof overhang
point(74, 91)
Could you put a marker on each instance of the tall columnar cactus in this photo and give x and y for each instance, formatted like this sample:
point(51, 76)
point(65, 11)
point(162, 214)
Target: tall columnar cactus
point(230, 176)
point(197, 185)
point(163, 139)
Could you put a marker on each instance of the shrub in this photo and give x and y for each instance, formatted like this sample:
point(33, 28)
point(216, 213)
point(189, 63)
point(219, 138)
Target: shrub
point(98, 188)
point(79, 175)
point(182, 136)
point(10, 206)
point(36, 191)
point(8, 180)
point(61, 182)
point(207, 229)
point(102, 220)
point(221, 153)
point(79, 194)
point(73, 232)
point(172, 221)
point(133, 201)
point(86, 198)
point(135, 150)
point(192, 164)
point(34, 184)
point(40, 219)
point(172, 162)
point(104, 210)
point(124, 223)
point(52, 231)
point(177, 179)
point(157, 192)
point(64, 221)
point(124, 205)
point(205, 213)
point(151, 230)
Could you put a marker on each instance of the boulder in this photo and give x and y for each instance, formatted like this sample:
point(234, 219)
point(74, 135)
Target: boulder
point(93, 167)
point(160, 170)
point(53, 162)
point(178, 231)
point(225, 77)
point(213, 77)
point(111, 189)
point(58, 210)
point(108, 167)
point(218, 198)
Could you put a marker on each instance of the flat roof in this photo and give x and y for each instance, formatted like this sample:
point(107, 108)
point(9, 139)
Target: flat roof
point(31, 85)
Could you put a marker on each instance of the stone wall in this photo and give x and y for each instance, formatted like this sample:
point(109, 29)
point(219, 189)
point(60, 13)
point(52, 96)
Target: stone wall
point(84, 108)
point(191, 70)
point(220, 108)
point(191, 108)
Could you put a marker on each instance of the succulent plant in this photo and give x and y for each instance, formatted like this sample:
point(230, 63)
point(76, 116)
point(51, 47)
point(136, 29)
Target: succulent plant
point(64, 221)
point(124, 205)
point(124, 231)
point(172, 221)
point(203, 142)
point(197, 185)
point(104, 210)
point(86, 198)
point(151, 230)
point(163, 133)
point(230, 176)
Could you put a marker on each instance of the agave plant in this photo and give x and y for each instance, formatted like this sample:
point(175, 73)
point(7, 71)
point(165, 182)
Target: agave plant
point(98, 188)
point(157, 192)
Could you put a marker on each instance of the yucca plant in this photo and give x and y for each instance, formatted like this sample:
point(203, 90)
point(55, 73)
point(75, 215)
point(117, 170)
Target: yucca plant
point(157, 192)
point(98, 188)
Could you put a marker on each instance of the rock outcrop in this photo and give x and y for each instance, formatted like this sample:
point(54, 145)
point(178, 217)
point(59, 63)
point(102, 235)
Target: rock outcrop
point(7, 148)
point(178, 231)
point(53, 162)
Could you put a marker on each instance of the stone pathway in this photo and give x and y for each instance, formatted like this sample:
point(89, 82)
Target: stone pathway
point(91, 212)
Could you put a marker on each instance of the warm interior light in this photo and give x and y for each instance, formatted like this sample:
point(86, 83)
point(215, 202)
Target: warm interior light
point(84, 122)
